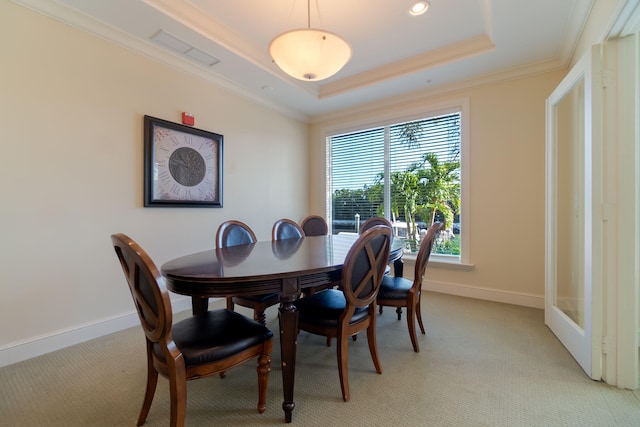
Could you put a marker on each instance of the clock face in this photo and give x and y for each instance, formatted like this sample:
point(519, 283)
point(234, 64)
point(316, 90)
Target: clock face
point(184, 167)
point(187, 166)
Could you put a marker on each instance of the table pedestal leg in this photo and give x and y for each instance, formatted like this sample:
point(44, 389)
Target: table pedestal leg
point(398, 267)
point(288, 316)
point(199, 305)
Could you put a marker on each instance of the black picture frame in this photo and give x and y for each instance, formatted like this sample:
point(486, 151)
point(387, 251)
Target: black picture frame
point(182, 165)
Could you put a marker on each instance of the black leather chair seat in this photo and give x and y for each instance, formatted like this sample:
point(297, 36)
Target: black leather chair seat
point(215, 335)
point(394, 288)
point(324, 308)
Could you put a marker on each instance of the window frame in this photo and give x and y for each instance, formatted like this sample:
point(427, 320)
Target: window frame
point(400, 115)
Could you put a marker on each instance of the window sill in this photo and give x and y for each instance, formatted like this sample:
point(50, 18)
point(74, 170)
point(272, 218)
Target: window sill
point(442, 262)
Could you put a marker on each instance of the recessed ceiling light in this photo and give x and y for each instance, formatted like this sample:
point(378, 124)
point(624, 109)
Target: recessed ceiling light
point(418, 8)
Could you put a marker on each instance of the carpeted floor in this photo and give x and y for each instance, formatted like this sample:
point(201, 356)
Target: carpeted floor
point(481, 364)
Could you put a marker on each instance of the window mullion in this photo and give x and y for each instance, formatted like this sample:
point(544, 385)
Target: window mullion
point(387, 174)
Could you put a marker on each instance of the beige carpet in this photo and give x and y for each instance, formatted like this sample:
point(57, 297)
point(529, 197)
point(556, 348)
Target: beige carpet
point(481, 364)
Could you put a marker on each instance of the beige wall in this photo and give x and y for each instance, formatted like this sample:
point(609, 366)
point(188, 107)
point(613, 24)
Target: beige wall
point(71, 114)
point(506, 205)
point(71, 108)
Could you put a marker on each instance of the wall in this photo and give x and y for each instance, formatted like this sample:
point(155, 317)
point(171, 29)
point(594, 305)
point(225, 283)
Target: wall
point(506, 206)
point(71, 114)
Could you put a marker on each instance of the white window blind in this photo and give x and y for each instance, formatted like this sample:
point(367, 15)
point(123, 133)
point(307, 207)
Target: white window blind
point(359, 181)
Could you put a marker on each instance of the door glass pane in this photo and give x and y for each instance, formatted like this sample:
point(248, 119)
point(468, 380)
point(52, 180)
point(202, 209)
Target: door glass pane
point(569, 292)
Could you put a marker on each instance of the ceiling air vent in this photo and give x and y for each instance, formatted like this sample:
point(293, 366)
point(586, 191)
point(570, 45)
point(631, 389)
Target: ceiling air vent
point(170, 41)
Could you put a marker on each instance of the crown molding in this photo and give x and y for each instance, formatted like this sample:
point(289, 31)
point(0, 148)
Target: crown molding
point(444, 55)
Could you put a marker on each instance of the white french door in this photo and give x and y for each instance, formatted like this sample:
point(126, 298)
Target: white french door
point(574, 213)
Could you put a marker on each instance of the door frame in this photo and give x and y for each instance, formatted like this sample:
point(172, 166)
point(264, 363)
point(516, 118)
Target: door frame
point(622, 139)
point(619, 337)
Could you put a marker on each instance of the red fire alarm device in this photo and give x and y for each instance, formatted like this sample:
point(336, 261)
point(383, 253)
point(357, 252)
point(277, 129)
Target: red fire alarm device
point(188, 119)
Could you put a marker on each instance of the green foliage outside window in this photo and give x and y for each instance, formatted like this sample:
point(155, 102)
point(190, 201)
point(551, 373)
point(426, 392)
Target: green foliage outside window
point(426, 191)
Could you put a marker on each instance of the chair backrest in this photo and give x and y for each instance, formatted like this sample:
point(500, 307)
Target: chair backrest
point(232, 233)
point(147, 287)
point(424, 252)
point(314, 225)
point(364, 266)
point(285, 248)
point(286, 229)
point(371, 222)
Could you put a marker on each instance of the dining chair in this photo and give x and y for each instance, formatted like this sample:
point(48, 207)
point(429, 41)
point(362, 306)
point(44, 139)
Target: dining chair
point(344, 312)
point(286, 229)
point(199, 346)
point(285, 248)
point(400, 292)
point(376, 220)
point(371, 222)
point(234, 233)
point(314, 225)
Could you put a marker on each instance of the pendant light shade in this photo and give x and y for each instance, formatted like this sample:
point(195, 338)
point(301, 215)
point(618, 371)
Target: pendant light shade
point(309, 54)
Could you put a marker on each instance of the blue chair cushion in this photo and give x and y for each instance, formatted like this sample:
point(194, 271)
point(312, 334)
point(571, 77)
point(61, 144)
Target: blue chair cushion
point(394, 288)
point(324, 308)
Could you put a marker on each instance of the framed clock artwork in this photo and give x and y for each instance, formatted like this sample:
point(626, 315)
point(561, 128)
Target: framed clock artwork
point(183, 165)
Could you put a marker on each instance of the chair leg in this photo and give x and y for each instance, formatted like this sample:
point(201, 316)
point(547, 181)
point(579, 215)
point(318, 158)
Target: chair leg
point(399, 313)
point(152, 381)
point(419, 316)
point(411, 324)
point(260, 316)
point(373, 346)
point(230, 304)
point(264, 367)
point(343, 366)
point(178, 394)
point(353, 337)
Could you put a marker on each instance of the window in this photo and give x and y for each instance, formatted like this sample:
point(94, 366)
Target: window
point(422, 157)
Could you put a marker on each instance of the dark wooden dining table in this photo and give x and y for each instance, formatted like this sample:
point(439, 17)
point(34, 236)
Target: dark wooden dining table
point(284, 266)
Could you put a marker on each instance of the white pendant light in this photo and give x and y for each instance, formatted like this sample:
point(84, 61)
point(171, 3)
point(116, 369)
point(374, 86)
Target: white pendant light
point(309, 54)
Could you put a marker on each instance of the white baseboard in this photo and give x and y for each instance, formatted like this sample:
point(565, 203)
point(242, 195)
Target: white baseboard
point(527, 300)
point(36, 346)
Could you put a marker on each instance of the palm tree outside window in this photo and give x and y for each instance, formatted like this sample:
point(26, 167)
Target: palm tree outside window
point(422, 159)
